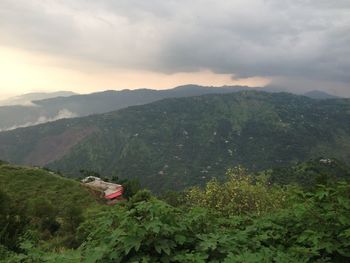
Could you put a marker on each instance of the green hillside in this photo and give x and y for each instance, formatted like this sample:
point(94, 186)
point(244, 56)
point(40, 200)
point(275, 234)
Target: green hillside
point(59, 104)
point(242, 219)
point(307, 174)
point(39, 205)
point(176, 143)
point(27, 183)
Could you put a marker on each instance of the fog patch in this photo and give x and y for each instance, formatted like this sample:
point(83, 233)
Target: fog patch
point(302, 85)
point(62, 114)
point(27, 103)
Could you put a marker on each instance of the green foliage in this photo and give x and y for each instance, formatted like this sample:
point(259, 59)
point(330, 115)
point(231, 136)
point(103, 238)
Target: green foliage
point(308, 174)
point(87, 173)
point(143, 195)
point(241, 220)
point(130, 186)
point(147, 232)
point(178, 143)
point(3, 162)
point(13, 221)
point(240, 194)
point(32, 254)
point(24, 183)
point(73, 216)
point(176, 199)
point(40, 207)
point(314, 229)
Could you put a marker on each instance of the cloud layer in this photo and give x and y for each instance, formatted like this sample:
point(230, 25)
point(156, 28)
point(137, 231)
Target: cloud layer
point(279, 39)
point(62, 114)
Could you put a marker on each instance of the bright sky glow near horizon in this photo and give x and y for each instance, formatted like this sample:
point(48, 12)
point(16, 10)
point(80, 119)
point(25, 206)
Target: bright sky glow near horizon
point(86, 46)
point(29, 72)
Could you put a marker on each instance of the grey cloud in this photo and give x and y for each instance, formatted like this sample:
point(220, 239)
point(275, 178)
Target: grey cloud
point(304, 39)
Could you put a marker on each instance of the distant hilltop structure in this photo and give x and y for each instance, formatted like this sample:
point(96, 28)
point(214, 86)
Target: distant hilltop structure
point(326, 161)
point(112, 192)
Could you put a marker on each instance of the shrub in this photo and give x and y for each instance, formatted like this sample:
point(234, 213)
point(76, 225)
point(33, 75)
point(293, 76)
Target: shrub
point(240, 194)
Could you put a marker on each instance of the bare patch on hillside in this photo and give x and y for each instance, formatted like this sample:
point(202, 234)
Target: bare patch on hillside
point(52, 148)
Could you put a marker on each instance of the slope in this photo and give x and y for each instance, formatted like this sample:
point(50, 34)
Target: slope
point(176, 143)
point(45, 110)
point(320, 95)
point(310, 173)
point(26, 99)
point(25, 184)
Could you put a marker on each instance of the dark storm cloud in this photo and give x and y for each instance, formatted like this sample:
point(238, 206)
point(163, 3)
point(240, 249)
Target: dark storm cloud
point(282, 39)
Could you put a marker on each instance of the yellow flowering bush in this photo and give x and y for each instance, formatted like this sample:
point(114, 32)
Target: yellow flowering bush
point(240, 194)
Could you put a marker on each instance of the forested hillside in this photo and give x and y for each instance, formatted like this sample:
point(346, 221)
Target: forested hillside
point(36, 111)
point(40, 205)
point(176, 143)
point(30, 111)
point(308, 174)
point(27, 183)
point(243, 219)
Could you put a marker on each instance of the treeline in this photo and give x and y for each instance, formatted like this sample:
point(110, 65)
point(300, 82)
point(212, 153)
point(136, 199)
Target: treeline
point(244, 218)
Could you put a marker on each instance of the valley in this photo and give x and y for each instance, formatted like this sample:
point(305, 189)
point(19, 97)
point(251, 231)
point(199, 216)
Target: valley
point(174, 131)
point(181, 142)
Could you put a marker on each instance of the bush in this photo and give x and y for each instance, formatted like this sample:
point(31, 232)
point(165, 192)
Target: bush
point(13, 222)
point(240, 194)
point(153, 231)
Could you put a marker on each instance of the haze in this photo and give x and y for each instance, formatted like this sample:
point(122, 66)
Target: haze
point(86, 46)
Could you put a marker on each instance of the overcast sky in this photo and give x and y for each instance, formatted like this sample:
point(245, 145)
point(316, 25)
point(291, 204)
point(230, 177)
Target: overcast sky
point(89, 45)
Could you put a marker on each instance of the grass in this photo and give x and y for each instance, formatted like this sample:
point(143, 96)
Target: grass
point(24, 183)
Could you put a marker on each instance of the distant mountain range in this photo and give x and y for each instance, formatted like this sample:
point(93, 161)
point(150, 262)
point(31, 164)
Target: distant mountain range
point(178, 142)
point(37, 108)
point(320, 95)
point(26, 99)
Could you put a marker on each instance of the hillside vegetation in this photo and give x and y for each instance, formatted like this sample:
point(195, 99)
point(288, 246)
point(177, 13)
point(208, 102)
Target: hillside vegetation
point(40, 205)
point(243, 219)
point(60, 106)
point(19, 111)
point(310, 173)
point(26, 183)
point(176, 143)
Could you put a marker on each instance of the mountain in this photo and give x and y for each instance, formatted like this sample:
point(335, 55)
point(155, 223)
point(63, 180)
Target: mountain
point(319, 95)
point(179, 142)
point(13, 117)
point(20, 111)
point(27, 99)
point(35, 108)
point(41, 111)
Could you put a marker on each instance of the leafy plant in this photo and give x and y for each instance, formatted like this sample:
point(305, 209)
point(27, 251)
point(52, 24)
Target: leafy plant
point(240, 194)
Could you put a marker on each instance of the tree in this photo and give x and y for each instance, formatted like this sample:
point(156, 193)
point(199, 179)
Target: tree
point(13, 222)
point(44, 215)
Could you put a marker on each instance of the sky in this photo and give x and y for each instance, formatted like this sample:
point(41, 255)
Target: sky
point(89, 45)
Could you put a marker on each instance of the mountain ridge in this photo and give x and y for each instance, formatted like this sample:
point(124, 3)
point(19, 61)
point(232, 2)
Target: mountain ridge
point(178, 142)
point(28, 98)
point(321, 95)
point(79, 105)
point(45, 110)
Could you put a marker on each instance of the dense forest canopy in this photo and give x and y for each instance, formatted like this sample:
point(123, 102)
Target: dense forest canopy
point(180, 142)
point(244, 218)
